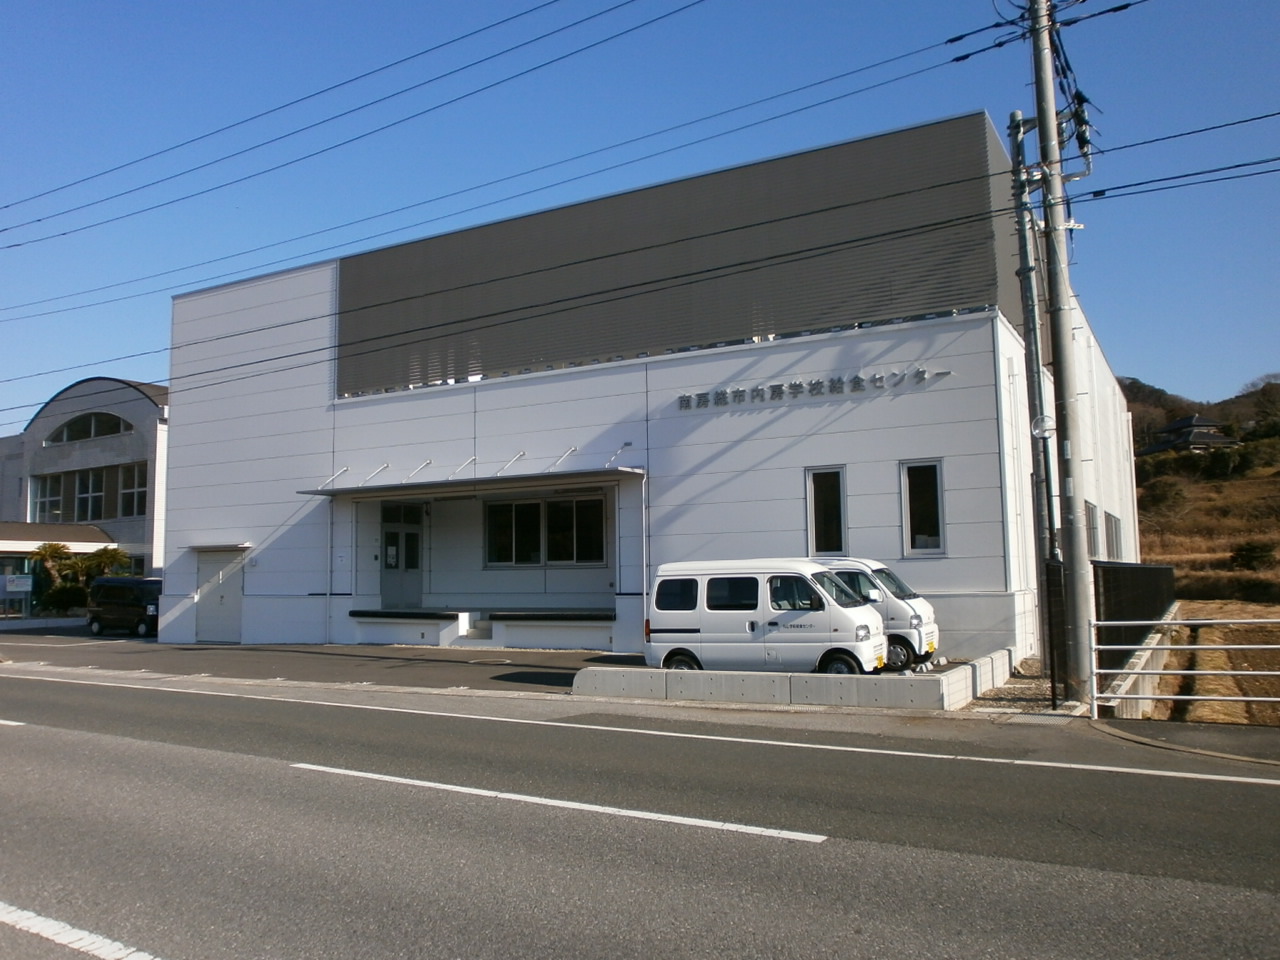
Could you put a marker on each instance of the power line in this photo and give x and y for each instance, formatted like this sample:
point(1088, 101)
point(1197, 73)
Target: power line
point(509, 197)
point(363, 136)
point(609, 295)
point(273, 110)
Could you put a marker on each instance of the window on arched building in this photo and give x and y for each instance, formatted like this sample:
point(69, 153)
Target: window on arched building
point(90, 425)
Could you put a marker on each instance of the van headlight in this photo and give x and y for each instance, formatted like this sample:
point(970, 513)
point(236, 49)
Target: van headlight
point(862, 632)
point(915, 622)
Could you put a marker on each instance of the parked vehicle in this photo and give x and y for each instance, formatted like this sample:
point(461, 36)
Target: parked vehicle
point(787, 615)
point(124, 603)
point(909, 623)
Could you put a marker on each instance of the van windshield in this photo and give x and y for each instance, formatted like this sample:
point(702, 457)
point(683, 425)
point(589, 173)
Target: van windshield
point(896, 585)
point(836, 589)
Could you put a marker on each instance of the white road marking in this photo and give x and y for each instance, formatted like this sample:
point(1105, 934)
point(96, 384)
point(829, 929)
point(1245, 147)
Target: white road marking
point(79, 643)
point(12, 723)
point(573, 805)
point(59, 932)
point(674, 735)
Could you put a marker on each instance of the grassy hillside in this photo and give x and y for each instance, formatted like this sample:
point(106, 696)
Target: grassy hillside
point(1215, 517)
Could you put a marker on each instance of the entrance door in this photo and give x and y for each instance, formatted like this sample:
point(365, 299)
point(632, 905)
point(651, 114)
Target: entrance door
point(401, 556)
point(220, 574)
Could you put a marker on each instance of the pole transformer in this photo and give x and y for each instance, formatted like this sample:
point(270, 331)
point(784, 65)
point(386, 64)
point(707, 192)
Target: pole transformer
point(1077, 569)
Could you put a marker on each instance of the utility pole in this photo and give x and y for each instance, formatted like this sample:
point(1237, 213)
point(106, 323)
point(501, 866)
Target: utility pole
point(1077, 569)
point(1041, 425)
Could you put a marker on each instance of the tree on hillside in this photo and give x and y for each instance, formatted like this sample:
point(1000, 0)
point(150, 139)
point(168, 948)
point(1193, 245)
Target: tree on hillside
point(1260, 382)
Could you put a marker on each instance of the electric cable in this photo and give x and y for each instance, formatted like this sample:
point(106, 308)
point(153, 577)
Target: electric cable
point(294, 258)
point(273, 110)
point(1159, 184)
point(357, 138)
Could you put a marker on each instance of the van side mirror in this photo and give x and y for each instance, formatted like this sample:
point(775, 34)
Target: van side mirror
point(875, 595)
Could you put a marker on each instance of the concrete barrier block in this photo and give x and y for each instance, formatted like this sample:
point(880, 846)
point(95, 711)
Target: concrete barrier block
point(621, 682)
point(728, 686)
point(955, 688)
point(825, 690)
point(873, 691)
point(913, 692)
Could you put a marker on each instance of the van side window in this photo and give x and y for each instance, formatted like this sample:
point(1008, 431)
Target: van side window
point(793, 593)
point(733, 593)
point(676, 594)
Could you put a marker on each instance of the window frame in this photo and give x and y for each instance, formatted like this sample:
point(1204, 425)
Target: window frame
point(538, 539)
point(817, 513)
point(98, 424)
point(911, 499)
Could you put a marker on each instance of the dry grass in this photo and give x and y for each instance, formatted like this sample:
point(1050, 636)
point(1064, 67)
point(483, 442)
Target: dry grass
point(1199, 536)
point(1204, 657)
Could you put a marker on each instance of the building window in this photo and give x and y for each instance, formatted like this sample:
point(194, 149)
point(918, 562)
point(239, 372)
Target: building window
point(90, 425)
point(1091, 529)
point(1113, 531)
point(826, 511)
point(575, 531)
point(46, 496)
point(90, 494)
point(922, 507)
point(133, 490)
point(85, 496)
point(530, 533)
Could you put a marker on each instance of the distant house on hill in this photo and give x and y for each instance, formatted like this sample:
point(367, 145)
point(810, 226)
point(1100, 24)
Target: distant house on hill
point(1194, 433)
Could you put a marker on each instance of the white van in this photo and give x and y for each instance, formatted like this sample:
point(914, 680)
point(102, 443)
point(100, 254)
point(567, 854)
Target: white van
point(908, 617)
point(786, 615)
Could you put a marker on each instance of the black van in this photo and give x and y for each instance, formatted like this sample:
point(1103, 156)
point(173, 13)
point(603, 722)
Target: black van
point(125, 603)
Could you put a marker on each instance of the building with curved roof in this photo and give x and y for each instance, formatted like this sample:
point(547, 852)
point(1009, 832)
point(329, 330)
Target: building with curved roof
point(88, 469)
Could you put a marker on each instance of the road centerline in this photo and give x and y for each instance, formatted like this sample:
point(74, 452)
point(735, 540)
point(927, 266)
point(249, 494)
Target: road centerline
point(724, 825)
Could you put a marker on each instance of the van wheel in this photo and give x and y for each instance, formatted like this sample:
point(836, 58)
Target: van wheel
point(900, 656)
point(840, 663)
point(140, 629)
point(95, 627)
point(682, 661)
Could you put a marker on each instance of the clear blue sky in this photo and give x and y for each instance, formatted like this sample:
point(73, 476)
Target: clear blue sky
point(1178, 284)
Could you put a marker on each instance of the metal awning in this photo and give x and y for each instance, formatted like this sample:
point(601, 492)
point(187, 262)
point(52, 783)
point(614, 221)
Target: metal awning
point(441, 489)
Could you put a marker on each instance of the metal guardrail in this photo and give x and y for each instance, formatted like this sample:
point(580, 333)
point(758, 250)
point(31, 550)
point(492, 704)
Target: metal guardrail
point(1138, 665)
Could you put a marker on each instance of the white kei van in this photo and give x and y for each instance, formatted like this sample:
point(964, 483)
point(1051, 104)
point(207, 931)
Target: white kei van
point(908, 617)
point(786, 615)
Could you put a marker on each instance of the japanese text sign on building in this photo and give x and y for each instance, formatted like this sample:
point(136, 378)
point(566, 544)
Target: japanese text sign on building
point(835, 386)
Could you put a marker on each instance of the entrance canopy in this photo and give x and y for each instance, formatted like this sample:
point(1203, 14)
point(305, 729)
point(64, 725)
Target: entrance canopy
point(443, 489)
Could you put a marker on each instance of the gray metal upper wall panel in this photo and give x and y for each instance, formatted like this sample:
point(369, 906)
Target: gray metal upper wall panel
point(902, 224)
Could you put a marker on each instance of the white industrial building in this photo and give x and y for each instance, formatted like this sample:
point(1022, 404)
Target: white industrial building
point(493, 436)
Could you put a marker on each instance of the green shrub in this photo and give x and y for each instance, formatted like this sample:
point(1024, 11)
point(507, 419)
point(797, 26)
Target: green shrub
point(64, 597)
point(1254, 555)
point(1163, 495)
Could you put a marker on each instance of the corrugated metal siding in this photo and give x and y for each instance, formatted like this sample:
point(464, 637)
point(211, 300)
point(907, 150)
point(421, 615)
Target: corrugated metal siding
point(897, 225)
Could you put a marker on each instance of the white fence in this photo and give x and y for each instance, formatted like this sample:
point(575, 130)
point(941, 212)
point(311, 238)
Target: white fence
point(1139, 679)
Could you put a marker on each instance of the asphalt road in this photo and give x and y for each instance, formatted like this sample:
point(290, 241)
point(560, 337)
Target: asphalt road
point(205, 818)
point(530, 671)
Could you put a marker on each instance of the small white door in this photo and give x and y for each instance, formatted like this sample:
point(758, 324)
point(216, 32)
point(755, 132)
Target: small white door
point(219, 597)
